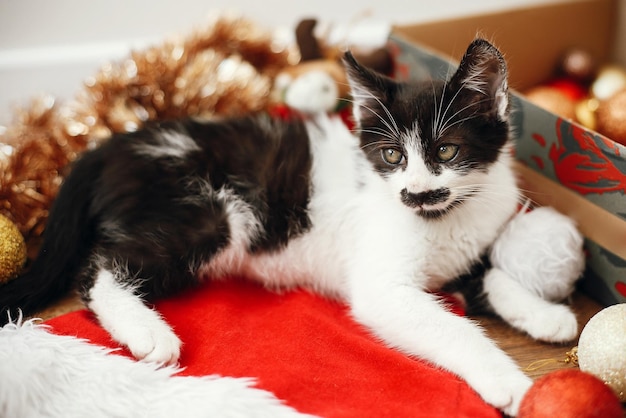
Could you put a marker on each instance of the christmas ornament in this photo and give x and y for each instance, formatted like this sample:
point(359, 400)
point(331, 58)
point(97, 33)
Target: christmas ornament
point(12, 250)
point(611, 116)
point(586, 112)
point(586, 93)
point(602, 348)
point(610, 80)
point(579, 65)
point(570, 393)
point(552, 99)
point(574, 90)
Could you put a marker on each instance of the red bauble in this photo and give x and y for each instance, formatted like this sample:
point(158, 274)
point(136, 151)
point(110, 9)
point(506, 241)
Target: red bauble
point(570, 393)
point(570, 88)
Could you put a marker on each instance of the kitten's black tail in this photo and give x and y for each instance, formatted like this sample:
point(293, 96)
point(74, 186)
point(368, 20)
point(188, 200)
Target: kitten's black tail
point(66, 242)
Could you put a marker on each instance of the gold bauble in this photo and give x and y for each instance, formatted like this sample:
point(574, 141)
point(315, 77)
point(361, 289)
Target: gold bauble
point(12, 250)
point(586, 113)
point(553, 100)
point(611, 117)
point(610, 80)
point(602, 348)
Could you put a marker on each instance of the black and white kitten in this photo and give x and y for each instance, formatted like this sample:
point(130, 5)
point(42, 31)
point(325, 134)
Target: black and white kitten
point(379, 221)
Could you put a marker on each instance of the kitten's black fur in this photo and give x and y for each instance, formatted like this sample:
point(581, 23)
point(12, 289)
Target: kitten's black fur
point(470, 289)
point(129, 203)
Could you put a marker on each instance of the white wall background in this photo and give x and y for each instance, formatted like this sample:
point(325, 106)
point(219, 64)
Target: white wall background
point(50, 46)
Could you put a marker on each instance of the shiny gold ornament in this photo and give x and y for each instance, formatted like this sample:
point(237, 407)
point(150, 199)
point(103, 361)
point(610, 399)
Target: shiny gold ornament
point(611, 117)
point(585, 111)
point(12, 250)
point(553, 100)
point(602, 348)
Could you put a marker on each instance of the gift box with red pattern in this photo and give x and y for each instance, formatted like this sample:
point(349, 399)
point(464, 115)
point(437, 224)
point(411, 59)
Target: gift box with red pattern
point(561, 163)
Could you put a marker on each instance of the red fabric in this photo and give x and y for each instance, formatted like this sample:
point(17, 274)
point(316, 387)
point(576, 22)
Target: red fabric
point(305, 349)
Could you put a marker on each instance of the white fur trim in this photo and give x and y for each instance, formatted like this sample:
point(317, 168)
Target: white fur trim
point(543, 251)
point(47, 375)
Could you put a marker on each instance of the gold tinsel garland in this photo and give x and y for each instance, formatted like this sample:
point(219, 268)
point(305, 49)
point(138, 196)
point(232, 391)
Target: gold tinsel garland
point(225, 68)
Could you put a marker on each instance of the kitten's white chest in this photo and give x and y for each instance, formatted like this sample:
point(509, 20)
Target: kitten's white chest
point(451, 253)
point(453, 245)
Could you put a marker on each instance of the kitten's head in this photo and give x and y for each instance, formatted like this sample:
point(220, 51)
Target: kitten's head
point(434, 141)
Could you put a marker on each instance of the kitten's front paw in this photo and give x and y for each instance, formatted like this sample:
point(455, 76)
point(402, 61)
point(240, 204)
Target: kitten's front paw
point(146, 335)
point(505, 392)
point(554, 324)
point(155, 345)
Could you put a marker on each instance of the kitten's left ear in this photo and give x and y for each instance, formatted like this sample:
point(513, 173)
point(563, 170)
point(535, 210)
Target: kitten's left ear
point(369, 89)
point(483, 70)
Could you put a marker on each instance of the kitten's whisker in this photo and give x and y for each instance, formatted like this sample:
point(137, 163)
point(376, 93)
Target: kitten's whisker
point(381, 132)
point(375, 145)
point(481, 189)
point(457, 122)
point(439, 116)
point(435, 120)
point(387, 125)
point(388, 134)
point(386, 141)
point(380, 145)
point(391, 123)
point(443, 125)
point(491, 204)
point(447, 125)
point(388, 113)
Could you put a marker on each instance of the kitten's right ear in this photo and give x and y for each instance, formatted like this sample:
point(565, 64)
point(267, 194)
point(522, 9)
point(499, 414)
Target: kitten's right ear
point(483, 74)
point(369, 90)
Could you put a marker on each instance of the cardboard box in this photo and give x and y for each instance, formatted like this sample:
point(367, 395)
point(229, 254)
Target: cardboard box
point(561, 164)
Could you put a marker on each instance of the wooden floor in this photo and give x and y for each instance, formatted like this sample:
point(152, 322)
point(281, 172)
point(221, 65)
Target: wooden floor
point(535, 358)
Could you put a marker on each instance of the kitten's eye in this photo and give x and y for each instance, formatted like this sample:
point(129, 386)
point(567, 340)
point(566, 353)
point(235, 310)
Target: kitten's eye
point(392, 156)
point(447, 152)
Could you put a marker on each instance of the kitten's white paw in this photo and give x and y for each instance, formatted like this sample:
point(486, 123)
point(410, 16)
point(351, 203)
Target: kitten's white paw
point(131, 323)
point(504, 391)
point(554, 324)
point(155, 345)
